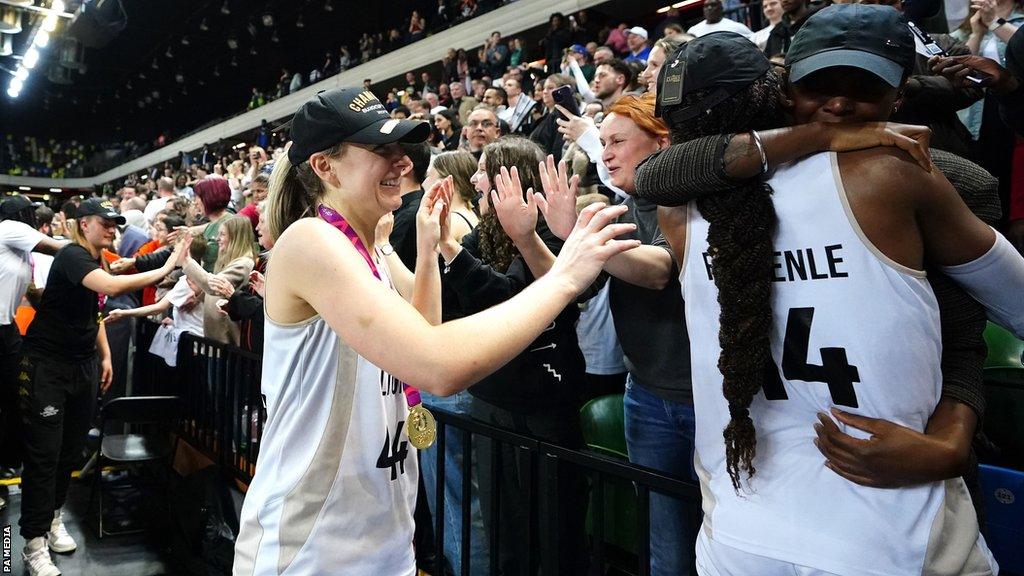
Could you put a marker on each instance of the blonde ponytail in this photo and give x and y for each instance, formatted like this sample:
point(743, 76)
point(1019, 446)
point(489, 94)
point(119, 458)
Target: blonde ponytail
point(294, 192)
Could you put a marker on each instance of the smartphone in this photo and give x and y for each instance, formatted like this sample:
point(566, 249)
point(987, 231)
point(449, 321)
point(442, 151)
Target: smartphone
point(564, 97)
point(931, 48)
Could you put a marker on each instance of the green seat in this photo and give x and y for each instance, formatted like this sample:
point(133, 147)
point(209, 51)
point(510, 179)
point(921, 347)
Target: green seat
point(1004, 414)
point(604, 430)
point(1004, 350)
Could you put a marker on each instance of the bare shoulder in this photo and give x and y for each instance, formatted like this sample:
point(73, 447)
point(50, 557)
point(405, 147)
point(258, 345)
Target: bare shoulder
point(890, 173)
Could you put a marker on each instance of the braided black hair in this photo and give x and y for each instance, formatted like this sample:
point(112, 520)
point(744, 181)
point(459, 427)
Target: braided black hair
point(742, 221)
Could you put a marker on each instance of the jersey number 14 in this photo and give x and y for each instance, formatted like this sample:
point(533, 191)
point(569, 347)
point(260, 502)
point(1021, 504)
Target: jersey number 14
point(835, 370)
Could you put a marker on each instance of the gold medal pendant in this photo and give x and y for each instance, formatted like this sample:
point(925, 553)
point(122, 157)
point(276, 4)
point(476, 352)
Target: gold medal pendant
point(422, 428)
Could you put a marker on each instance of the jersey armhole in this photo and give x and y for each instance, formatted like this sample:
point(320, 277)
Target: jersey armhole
point(852, 219)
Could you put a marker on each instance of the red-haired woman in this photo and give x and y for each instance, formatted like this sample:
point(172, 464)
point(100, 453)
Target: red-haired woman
point(211, 197)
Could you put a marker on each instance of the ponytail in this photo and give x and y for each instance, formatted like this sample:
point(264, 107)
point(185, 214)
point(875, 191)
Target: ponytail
point(294, 192)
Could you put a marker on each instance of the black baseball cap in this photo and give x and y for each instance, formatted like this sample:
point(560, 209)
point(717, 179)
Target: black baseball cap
point(723, 62)
point(348, 115)
point(99, 207)
point(13, 205)
point(872, 37)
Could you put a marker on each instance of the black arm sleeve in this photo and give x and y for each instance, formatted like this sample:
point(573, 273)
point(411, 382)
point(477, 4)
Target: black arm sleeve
point(244, 305)
point(153, 260)
point(684, 172)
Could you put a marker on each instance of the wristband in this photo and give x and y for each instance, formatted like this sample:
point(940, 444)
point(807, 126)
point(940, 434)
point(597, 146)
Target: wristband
point(996, 24)
point(760, 150)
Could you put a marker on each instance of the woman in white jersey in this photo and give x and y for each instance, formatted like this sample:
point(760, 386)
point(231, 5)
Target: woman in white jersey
point(853, 325)
point(336, 481)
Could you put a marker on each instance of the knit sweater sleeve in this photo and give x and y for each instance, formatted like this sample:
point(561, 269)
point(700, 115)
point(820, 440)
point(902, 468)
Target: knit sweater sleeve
point(684, 172)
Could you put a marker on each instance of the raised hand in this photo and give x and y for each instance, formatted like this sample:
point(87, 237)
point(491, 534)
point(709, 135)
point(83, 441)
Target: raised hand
point(591, 243)
point(518, 216)
point(573, 126)
point(558, 204)
point(382, 233)
point(432, 216)
point(958, 68)
point(181, 248)
point(910, 138)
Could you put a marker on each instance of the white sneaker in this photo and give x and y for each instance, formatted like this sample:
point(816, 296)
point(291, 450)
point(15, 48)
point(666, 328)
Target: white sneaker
point(58, 538)
point(39, 563)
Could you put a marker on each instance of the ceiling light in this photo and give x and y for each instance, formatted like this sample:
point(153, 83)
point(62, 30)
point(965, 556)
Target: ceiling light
point(169, 53)
point(142, 75)
point(179, 78)
point(203, 26)
point(252, 51)
point(273, 37)
point(50, 23)
point(251, 29)
point(16, 85)
point(299, 23)
point(57, 5)
point(268, 20)
point(225, 9)
point(6, 44)
point(31, 58)
point(232, 43)
point(185, 41)
point(21, 74)
point(55, 190)
point(156, 93)
point(328, 7)
point(42, 38)
point(10, 20)
point(24, 188)
point(216, 72)
point(238, 146)
point(234, 63)
point(154, 65)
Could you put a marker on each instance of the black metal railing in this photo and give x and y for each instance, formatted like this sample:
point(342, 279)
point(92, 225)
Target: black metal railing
point(219, 386)
point(543, 462)
point(225, 414)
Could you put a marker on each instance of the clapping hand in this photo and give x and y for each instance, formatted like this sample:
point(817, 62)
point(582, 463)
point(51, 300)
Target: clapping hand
point(221, 286)
point(432, 217)
point(518, 216)
point(558, 203)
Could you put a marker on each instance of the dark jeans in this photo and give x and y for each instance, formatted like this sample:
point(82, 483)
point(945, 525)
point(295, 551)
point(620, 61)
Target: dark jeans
point(10, 422)
point(562, 427)
point(56, 412)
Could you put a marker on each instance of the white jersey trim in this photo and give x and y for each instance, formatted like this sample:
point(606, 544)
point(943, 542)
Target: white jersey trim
point(845, 201)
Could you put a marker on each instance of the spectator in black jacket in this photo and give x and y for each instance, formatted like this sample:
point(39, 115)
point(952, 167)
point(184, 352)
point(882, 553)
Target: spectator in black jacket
point(546, 133)
point(538, 392)
point(795, 13)
point(559, 38)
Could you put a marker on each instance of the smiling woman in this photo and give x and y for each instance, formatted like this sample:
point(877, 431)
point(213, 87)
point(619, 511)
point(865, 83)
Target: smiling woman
point(66, 352)
point(336, 330)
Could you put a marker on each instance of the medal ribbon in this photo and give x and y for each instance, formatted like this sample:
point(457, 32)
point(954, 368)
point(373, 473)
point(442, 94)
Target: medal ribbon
point(332, 217)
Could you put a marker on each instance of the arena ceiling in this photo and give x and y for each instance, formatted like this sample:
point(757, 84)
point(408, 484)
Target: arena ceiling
point(173, 67)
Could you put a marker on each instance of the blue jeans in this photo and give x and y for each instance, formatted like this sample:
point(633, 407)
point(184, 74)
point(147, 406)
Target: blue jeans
point(660, 435)
point(453, 442)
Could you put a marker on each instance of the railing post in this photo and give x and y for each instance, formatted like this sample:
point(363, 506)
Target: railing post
point(548, 530)
point(467, 500)
point(439, 485)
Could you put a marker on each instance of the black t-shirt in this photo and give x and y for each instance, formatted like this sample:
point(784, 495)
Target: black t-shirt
point(67, 320)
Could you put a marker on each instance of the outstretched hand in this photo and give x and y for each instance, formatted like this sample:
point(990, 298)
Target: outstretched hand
point(591, 243)
point(558, 203)
point(518, 216)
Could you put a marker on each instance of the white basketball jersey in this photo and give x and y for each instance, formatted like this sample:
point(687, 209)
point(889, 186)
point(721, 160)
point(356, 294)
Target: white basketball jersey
point(335, 483)
point(851, 329)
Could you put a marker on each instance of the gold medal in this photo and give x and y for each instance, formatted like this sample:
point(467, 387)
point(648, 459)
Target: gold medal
point(422, 428)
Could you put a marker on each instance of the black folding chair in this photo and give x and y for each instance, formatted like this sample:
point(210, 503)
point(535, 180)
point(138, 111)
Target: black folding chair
point(149, 444)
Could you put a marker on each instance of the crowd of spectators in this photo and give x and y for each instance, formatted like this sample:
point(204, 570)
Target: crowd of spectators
point(575, 115)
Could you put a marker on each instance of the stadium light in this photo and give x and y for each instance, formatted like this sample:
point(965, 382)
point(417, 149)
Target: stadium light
point(57, 5)
point(24, 188)
point(42, 38)
point(21, 74)
point(55, 190)
point(15, 86)
point(12, 92)
point(50, 23)
point(31, 58)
